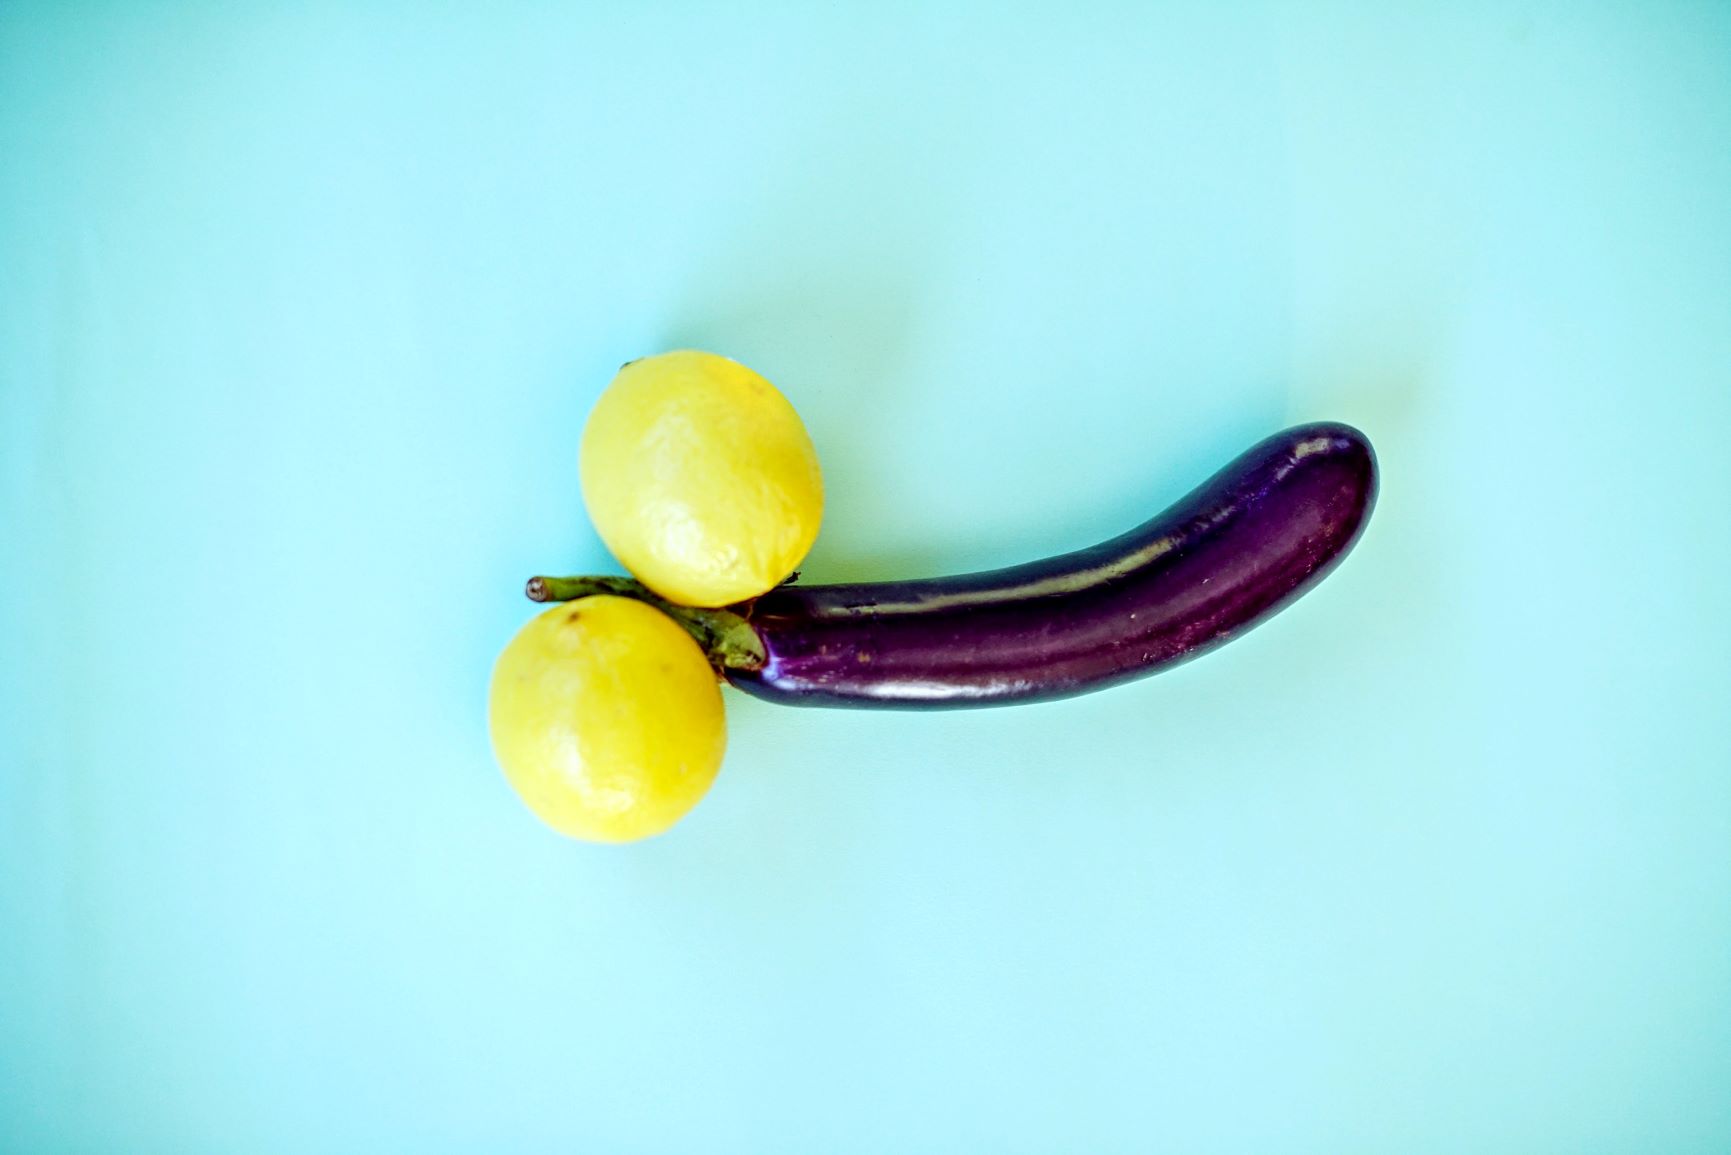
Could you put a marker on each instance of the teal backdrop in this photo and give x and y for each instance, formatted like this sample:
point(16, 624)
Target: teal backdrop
point(302, 308)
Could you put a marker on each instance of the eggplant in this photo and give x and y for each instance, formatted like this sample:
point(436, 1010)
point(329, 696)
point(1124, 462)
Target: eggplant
point(1228, 556)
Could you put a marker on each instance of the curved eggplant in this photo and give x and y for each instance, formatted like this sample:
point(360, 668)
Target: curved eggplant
point(1231, 554)
point(1226, 557)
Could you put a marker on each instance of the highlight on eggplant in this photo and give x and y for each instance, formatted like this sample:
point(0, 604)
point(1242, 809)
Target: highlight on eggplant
point(1228, 556)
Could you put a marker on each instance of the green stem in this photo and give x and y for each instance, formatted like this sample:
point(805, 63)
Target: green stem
point(726, 636)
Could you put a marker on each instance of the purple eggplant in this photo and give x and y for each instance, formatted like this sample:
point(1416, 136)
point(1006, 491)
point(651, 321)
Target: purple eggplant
point(1235, 551)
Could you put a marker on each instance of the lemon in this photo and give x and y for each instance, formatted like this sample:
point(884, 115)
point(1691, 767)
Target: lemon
point(607, 719)
point(701, 478)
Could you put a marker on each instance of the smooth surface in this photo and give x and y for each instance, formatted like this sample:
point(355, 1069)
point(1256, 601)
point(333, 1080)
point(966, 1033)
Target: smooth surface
point(300, 316)
point(1221, 560)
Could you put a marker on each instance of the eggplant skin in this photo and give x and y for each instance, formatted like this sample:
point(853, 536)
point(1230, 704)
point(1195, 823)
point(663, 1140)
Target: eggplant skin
point(1231, 554)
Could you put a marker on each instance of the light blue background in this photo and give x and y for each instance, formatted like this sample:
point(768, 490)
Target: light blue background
point(301, 312)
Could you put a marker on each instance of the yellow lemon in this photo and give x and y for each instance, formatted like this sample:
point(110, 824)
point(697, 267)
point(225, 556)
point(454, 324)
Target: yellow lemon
point(607, 719)
point(701, 478)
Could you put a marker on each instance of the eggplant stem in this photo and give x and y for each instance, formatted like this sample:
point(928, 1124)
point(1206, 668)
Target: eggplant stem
point(726, 637)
